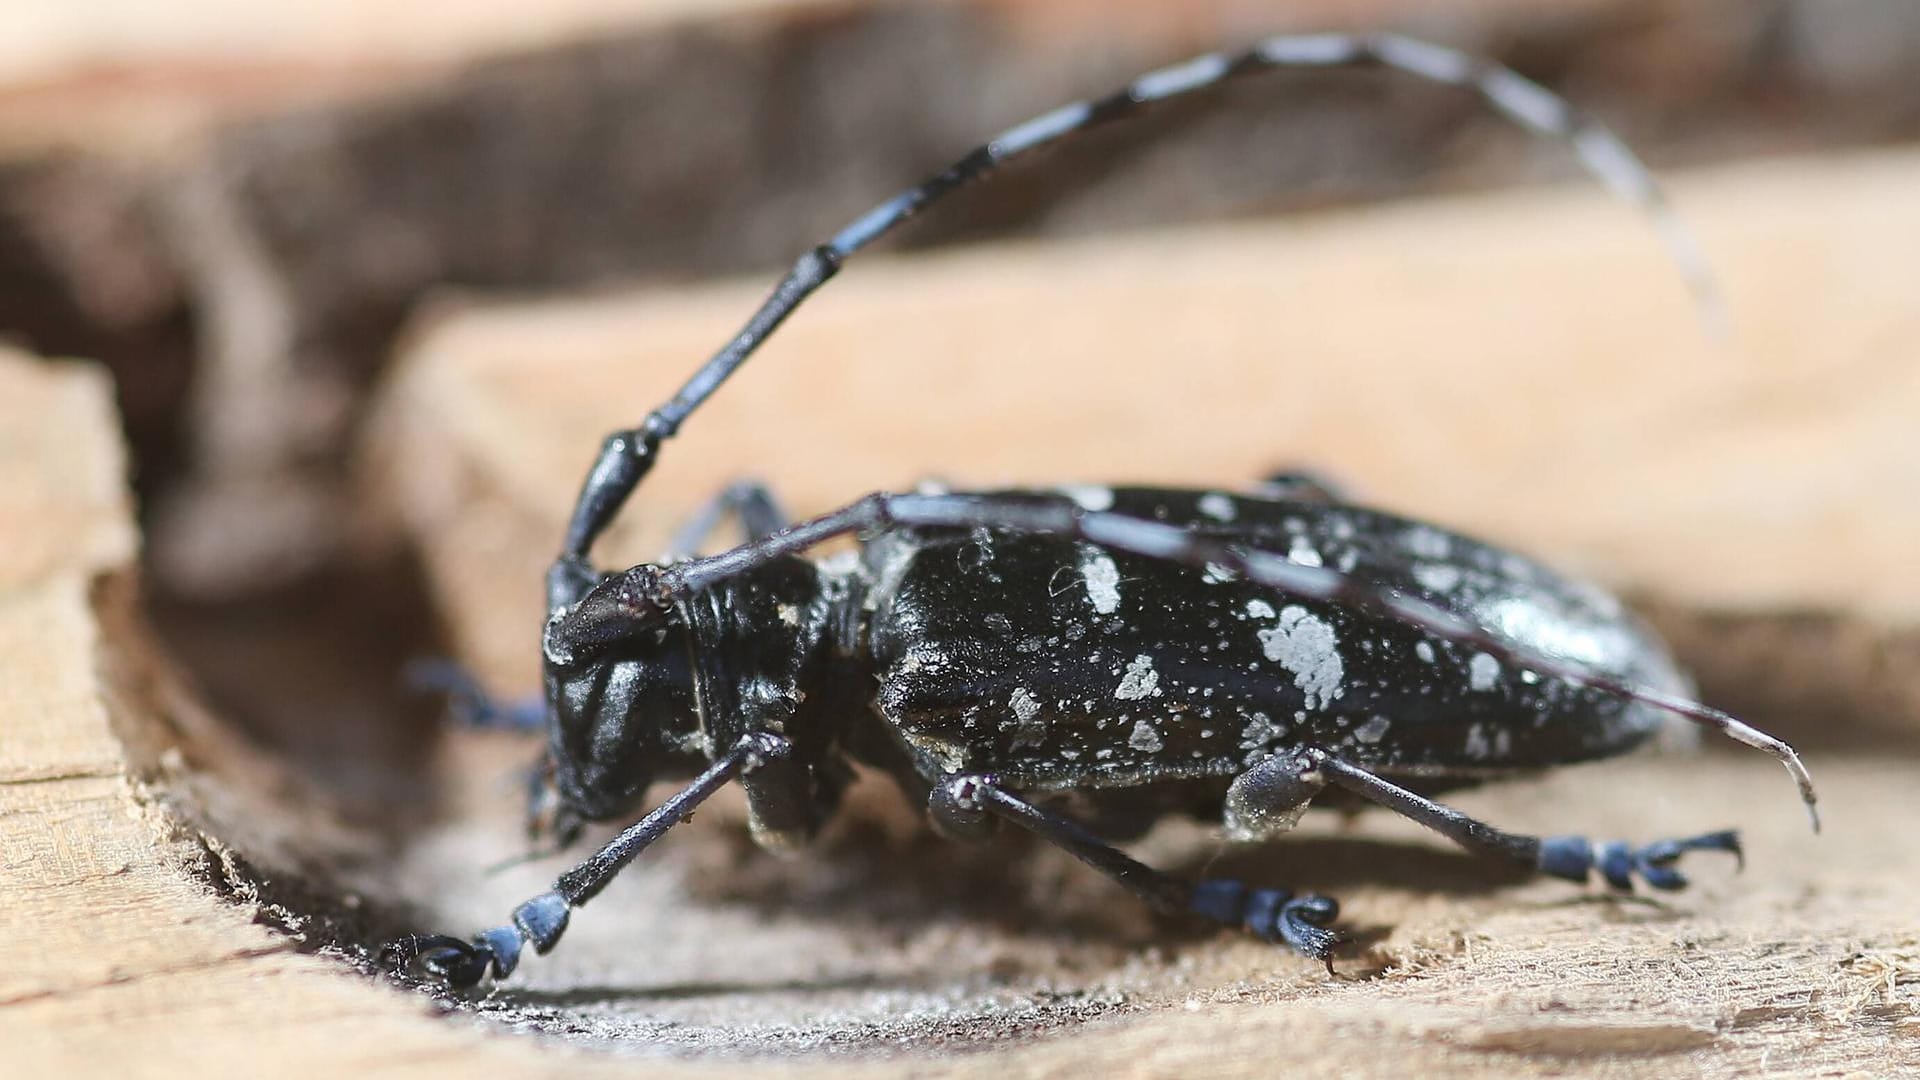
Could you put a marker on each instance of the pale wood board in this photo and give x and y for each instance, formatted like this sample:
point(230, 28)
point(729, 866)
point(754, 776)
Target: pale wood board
point(889, 953)
point(1524, 367)
point(131, 78)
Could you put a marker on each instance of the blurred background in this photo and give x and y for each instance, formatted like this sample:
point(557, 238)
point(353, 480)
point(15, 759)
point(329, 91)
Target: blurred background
point(239, 210)
point(372, 280)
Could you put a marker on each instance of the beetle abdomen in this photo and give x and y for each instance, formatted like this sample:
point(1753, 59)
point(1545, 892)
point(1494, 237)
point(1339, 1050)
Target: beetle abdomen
point(1061, 664)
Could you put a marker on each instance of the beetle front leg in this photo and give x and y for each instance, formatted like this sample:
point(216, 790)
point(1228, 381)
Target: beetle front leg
point(540, 921)
point(964, 805)
point(750, 502)
point(1573, 858)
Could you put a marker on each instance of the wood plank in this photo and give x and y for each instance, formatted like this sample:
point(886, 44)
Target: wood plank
point(237, 213)
point(1526, 368)
point(149, 848)
point(116, 957)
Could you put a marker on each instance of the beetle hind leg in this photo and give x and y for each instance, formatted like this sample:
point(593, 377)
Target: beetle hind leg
point(1572, 858)
point(964, 804)
point(1575, 858)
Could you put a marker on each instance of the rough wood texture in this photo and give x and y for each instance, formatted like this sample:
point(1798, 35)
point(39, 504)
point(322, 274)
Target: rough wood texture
point(237, 214)
point(117, 956)
point(145, 843)
point(1527, 368)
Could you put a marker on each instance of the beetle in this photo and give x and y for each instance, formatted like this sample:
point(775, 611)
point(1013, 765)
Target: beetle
point(1082, 661)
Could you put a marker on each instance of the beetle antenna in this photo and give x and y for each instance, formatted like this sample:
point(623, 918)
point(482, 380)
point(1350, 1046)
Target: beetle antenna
point(1514, 96)
point(628, 456)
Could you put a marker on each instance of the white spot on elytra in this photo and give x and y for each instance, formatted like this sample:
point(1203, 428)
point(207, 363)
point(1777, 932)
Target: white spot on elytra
point(1574, 639)
point(1427, 542)
point(1477, 747)
point(1437, 577)
point(1025, 705)
point(1028, 729)
point(1483, 672)
point(1424, 650)
point(1218, 575)
point(1305, 645)
point(1140, 680)
point(1217, 506)
point(1260, 609)
point(1103, 581)
point(1259, 735)
point(1089, 497)
point(1480, 747)
point(1604, 603)
point(1373, 730)
point(1145, 738)
point(1303, 553)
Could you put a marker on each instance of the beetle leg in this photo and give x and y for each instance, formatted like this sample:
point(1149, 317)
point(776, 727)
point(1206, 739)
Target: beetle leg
point(1299, 920)
point(1269, 798)
point(469, 703)
point(1569, 857)
point(749, 501)
point(540, 921)
point(627, 456)
point(1302, 485)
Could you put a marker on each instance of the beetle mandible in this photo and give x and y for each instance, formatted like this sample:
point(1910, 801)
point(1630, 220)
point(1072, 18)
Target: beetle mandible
point(1136, 651)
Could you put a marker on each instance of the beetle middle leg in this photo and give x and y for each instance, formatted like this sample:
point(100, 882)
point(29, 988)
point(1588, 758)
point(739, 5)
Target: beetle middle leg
point(469, 703)
point(967, 806)
point(1573, 858)
point(750, 502)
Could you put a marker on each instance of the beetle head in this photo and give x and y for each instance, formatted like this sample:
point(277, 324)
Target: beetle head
point(620, 697)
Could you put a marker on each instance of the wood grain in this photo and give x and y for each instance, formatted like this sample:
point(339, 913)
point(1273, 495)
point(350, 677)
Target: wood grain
point(154, 857)
point(1526, 368)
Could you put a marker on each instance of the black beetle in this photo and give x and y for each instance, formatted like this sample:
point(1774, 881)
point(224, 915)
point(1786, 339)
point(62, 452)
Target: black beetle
point(1080, 662)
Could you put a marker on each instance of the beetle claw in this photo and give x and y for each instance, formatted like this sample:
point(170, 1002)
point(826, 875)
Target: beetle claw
point(1302, 925)
point(1573, 858)
point(1654, 862)
point(1274, 915)
point(459, 964)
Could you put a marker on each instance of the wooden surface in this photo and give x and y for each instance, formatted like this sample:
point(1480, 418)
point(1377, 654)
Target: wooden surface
point(1523, 368)
point(1526, 368)
point(237, 212)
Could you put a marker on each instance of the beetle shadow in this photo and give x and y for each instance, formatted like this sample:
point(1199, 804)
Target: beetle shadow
point(574, 997)
point(1335, 864)
point(1019, 885)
